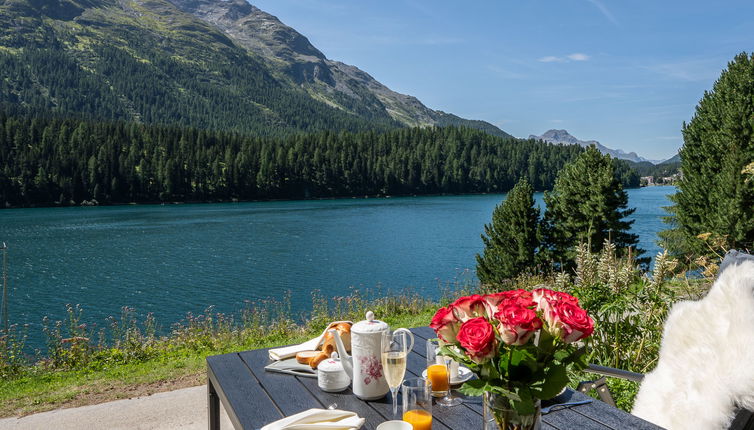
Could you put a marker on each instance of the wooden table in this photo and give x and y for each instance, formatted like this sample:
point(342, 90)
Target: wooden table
point(253, 397)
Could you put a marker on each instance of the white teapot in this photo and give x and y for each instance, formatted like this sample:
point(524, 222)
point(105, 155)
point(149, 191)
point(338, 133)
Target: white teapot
point(365, 366)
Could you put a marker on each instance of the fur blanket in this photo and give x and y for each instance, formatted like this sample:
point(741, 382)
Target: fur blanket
point(706, 364)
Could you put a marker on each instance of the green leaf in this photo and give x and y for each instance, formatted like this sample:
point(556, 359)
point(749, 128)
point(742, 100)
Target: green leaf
point(556, 378)
point(562, 355)
point(504, 392)
point(475, 387)
point(523, 357)
point(525, 404)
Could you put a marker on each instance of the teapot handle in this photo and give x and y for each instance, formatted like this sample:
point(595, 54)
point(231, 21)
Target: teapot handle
point(410, 336)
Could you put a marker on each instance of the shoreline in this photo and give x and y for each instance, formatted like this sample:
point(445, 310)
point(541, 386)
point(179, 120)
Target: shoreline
point(198, 202)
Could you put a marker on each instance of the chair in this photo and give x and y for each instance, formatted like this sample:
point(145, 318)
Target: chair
point(704, 377)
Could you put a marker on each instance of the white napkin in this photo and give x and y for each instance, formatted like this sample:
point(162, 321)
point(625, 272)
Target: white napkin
point(318, 419)
point(309, 345)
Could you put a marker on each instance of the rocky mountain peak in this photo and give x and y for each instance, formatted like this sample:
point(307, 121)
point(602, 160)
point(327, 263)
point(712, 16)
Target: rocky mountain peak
point(565, 138)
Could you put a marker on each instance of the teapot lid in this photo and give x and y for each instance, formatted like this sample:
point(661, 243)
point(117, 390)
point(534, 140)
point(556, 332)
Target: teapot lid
point(332, 364)
point(370, 325)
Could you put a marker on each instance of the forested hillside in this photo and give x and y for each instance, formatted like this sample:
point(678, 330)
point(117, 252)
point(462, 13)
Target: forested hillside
point(152, 62)
point(149, 62)
point(46, 160)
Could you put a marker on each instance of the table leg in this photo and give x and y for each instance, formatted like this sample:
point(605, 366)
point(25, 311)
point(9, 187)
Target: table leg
point(213, 404)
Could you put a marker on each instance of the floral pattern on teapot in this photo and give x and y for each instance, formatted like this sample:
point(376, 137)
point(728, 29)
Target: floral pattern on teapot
point(371, 368)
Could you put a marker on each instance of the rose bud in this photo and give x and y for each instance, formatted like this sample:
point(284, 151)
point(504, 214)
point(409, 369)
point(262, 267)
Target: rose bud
point(445, 324)
point(477, 337)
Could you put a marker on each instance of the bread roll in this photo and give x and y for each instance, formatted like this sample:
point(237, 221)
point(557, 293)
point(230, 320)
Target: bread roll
point(324, 351)
point(305, 357)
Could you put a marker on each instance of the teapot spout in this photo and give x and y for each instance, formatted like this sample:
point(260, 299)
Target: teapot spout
point(345, 359)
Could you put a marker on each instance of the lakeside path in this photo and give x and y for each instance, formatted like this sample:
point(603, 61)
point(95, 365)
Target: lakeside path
point(180, 409)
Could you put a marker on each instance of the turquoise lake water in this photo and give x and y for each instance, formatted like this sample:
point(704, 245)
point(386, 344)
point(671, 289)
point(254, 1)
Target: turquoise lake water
point(175, 259)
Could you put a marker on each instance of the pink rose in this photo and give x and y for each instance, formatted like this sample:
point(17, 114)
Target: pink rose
point(545, 298)
point(568, 321)
point(517, 324)
point(445, 324)
point(522, 297)
point(477, 337)
point(469, 307)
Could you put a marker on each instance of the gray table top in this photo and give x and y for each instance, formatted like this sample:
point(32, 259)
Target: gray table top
point(253, 397)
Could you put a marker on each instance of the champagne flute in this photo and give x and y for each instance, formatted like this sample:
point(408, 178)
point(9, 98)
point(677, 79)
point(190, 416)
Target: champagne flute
point(395, 348)
point(438, 372)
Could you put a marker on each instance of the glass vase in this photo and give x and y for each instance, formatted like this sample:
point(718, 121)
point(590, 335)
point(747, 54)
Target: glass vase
point(499, 415)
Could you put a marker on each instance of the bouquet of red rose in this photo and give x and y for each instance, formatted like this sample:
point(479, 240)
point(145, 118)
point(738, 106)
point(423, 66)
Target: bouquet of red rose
point(519, 343)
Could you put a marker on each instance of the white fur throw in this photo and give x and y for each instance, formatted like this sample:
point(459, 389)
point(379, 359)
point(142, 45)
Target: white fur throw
point(706, 364)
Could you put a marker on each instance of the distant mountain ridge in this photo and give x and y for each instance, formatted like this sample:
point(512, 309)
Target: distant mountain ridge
point(563, 137)
point(209, 64)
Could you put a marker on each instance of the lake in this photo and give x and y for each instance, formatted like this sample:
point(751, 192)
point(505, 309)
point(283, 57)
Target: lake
point(175, 259)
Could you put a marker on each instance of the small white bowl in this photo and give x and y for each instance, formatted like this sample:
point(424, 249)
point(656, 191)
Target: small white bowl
point(395, 425)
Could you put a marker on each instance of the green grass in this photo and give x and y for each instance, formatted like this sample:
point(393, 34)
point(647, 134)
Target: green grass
point(72, 377)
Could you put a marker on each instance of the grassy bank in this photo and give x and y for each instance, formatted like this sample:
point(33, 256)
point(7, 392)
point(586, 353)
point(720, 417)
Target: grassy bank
point(127, 359)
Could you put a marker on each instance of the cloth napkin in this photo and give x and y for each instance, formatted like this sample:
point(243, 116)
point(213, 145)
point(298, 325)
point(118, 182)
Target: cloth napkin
point(318, 419)
point(291, 367)
point(309, 345)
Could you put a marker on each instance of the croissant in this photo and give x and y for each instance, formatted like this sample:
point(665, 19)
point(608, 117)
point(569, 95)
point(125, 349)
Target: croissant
point(313, 358)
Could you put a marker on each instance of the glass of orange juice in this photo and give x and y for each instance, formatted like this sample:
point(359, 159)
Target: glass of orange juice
point(417, 403)
point(438, 372)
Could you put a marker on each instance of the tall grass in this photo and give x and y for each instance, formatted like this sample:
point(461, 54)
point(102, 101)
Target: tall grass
point(75, 344)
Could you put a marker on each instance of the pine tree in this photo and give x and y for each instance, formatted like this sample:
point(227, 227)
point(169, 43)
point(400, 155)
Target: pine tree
point(716, 194)
point(586, 205)
point(510, 241)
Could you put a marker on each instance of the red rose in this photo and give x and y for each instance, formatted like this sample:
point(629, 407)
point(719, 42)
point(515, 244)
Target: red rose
point(522, 297)
point(477, 337)
point(469, 307)
point(517, 324)
point(568, 321)
point(445, 324)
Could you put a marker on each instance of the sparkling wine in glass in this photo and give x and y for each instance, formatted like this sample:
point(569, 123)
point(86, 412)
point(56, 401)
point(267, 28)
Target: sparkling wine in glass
point(395, 348)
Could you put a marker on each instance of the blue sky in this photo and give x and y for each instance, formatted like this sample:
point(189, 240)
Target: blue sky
point(625, 73)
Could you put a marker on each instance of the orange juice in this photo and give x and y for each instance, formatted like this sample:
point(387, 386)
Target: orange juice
point(419, 419)
point(438, 376)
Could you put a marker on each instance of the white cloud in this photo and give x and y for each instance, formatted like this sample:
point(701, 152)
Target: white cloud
point(577, 56)
point(598, 4)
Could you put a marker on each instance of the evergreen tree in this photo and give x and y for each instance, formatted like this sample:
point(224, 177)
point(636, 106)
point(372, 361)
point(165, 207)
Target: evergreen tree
point(511, 239)
point(716, 194)
point(586, 205)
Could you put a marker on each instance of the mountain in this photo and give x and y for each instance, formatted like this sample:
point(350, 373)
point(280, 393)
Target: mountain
point(211, 64)
point(563, 137)
point(673, 160)
point(338, 84)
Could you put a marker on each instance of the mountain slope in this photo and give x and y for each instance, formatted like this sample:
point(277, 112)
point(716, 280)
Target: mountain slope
point(148, 61)
point(154, 62)
point(563, 137)
point(676, 159)
point(334, 82)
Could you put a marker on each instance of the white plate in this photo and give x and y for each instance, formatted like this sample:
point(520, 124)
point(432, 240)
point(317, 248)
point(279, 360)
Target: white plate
point(464, 374)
